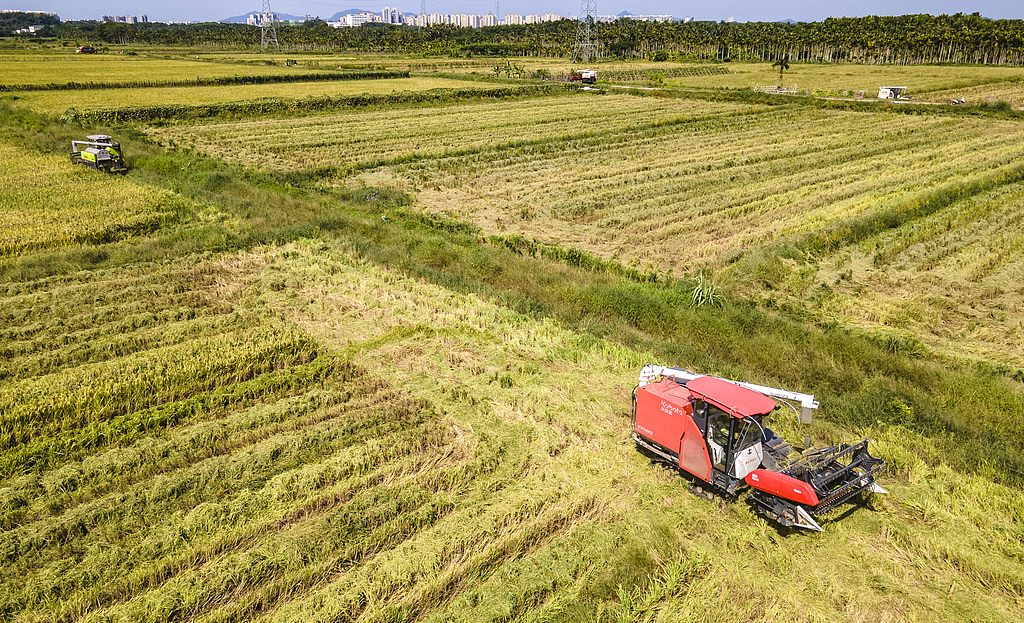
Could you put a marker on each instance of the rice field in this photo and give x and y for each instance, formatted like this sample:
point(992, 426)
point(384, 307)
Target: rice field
point(689, 194)
point(670, 186)
point(56, 102)
point(697, 196)
point(49, 68)
point(952, 279)
point(328, 440)
point(1011, 92)
point(351, 60)
point(848, 77)
point(187, 438)
point(358, 138)
point(42, 191)
point(290, 432)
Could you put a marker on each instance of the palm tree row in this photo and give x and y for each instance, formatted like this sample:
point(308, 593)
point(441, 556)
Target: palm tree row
point(902, 40)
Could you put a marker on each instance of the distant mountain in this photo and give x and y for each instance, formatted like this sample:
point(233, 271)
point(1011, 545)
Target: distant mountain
point(337, 16)
point(624, 14)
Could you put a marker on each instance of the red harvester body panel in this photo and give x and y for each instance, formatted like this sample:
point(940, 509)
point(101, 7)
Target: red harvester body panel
point(693, 455)
point(735, 400)
point(664, 415)
point(783, 486)
point(662, 410)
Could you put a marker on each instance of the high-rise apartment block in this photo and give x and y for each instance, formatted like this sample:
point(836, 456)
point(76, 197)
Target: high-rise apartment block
point(126, 19)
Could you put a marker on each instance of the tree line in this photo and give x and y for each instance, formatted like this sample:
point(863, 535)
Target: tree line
point(906, 39)
point(11, 21)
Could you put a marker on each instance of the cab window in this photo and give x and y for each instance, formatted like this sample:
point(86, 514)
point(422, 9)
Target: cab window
point(719, 423)
point(745, 434)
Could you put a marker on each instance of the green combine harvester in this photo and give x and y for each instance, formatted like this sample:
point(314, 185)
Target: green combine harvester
point(99, 152)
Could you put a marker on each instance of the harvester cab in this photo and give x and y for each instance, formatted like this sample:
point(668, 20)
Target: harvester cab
point(713, 429)
point(100, 151)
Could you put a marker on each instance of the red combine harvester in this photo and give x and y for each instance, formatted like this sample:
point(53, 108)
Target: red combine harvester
point(712, 429)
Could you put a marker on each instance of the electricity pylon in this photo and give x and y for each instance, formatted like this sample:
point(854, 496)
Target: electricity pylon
point(586, 47)
point(268, 16)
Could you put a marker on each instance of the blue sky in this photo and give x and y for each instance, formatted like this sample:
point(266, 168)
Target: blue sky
point(741, 10)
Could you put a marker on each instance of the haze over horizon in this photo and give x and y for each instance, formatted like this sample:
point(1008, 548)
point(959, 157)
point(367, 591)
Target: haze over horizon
point(740, 10)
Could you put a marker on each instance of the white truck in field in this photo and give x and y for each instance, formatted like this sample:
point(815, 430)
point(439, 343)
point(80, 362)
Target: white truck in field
point(893, 93)
point(586, 76)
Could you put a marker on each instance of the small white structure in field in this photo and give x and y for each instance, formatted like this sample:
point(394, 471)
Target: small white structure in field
point(892, 93)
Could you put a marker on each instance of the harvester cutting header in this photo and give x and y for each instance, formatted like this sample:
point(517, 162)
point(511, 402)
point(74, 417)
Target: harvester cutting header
point(712, 428)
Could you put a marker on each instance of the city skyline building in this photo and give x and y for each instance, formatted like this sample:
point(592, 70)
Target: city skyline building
point(125, 19)
point(464, 20)
point(167, 11)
